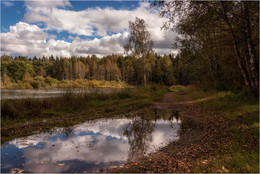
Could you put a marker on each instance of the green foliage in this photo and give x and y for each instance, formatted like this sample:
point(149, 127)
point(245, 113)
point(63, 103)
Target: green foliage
point(140, 42)
point(18, 69)
point(219, 43)
point(50, 81)
point(110, 71)
point(39, 78)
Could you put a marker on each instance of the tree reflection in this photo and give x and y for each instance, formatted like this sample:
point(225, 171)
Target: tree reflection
point(176, 115)
point(139, 134)
point(68, 132)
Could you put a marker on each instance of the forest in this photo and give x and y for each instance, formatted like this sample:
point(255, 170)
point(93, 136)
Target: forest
point(218, 49)
point(31, 72)
point(198, 107)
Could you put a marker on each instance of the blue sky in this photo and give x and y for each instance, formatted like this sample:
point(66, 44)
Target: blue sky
point(81, 28)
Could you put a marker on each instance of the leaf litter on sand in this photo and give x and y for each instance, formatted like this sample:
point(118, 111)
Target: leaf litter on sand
point(16, 170)
point(60, 164)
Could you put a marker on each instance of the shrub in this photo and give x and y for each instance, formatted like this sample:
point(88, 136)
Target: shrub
point(39, 78)
point(50, 81)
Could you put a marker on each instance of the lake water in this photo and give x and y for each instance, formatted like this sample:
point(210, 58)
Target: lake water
point(45, 93)
point(93, 146)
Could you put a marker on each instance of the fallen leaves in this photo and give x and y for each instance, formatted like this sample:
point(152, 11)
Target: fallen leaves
point(16, 170)
point(223, 170)
point(204, 162)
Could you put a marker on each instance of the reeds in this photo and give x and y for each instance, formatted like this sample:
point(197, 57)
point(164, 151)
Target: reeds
point(71, 101)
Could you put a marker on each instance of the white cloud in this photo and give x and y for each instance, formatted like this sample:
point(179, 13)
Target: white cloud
point(48, 3)
point(24, 39)
point(30, 40)
point(103, 20)
point(7, 3)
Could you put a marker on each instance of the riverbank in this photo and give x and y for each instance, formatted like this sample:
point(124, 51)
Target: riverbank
point(22, 117)
point(40, 82)
point(219, 133)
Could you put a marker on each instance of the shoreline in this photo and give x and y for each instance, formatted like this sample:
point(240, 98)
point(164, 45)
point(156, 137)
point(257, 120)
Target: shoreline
point(71, 109)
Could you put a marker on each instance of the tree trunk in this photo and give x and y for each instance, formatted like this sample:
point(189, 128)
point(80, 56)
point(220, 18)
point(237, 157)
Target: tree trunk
point(144, 79)
point(247, 57)
point(251, 50)
point(144, 70)
point(235, 44)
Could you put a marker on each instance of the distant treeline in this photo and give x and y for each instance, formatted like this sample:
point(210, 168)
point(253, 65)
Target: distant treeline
point(24, 72)
point(28, 72)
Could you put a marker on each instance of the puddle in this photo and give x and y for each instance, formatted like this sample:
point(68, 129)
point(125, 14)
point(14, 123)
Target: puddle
point(92, 146)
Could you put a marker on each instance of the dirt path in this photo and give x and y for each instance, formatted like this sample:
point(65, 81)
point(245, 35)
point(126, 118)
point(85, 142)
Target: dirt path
point(201, 138)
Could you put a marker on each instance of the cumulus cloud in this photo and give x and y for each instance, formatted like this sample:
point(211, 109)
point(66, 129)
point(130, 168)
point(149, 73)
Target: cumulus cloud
point(30, 40)
point(103, 20)
point(24, 39)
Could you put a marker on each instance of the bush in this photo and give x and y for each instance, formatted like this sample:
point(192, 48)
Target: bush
point(50, 81)
point(39, 78)
point(34, 84)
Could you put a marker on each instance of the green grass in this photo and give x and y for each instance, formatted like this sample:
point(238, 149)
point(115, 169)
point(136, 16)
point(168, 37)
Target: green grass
point(242, 112)
point(176, 89)
point(71, 109)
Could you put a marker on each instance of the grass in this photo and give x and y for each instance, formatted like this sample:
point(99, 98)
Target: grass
point(22, 117)
point(40, 82)
point(242, 112)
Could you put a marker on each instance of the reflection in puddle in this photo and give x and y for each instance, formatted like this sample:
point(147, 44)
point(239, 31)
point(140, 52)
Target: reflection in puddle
point(93, 145)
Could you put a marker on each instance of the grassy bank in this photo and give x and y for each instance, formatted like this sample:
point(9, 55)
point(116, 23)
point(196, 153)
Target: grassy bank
point(241, 151)
point(40, 82)
point(23, 116)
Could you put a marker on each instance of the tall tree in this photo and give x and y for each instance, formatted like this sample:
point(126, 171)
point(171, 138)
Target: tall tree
point(140, 43)
point(231, 19)
point(79, 70)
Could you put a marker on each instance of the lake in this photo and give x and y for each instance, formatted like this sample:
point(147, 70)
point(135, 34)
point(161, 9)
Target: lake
point(93, 146)
point(45, 93)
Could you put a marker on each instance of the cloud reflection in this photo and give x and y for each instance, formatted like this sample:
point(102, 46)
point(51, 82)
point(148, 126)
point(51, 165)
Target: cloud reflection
point(102, 142)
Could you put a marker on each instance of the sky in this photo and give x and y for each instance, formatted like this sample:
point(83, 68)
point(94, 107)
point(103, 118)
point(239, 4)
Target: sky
point(76, 28)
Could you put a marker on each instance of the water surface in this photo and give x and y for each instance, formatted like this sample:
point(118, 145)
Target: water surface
point(92, 146)
point(45, 93)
